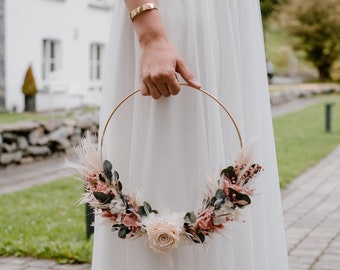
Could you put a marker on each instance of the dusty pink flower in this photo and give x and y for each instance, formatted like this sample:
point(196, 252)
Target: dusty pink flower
point(92, 176)
point(235, 187)
point(108, 214)
point(205, 220)
point(100, 187)
point(131, 220)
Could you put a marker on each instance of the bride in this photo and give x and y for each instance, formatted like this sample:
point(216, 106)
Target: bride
point(166, 141)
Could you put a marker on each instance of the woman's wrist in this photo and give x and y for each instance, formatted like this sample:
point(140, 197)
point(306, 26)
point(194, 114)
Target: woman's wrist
point(149, 27)
point(140, 9)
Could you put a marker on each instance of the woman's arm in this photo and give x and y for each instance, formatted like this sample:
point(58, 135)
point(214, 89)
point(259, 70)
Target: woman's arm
point(159, 61)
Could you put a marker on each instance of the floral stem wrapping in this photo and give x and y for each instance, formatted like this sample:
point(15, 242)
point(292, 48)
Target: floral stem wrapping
point(130, 219)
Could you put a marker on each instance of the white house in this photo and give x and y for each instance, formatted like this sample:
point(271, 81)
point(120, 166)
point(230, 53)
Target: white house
point(63, 41)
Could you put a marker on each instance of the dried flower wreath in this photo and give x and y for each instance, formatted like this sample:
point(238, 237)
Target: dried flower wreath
point(132, 219)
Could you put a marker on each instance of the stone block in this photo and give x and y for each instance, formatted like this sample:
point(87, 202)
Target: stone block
point(9, 147)
point(9, 137)
point(7, 158)
point(21, 126)
point(22, 142)
point(38, 150)
point(35, 135)
point(26, 160)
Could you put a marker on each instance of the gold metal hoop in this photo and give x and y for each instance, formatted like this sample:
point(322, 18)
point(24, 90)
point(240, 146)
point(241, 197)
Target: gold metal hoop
point(182, 84)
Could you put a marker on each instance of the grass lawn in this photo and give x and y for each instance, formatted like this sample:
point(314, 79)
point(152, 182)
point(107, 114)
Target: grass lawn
point(45, 222)
point(9, 118)
point(301, 140)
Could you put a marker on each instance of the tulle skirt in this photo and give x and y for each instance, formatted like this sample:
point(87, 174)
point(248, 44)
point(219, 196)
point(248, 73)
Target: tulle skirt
point(165, 149)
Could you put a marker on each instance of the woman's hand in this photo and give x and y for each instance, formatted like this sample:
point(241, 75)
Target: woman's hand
point(159, 64)
point(159, 60)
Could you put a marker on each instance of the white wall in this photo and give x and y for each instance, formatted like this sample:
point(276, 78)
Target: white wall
point(76, 25)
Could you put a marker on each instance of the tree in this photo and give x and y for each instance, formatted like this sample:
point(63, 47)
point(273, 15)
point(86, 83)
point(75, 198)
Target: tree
point(29, 89)
point(268, 8)
point(316, 25)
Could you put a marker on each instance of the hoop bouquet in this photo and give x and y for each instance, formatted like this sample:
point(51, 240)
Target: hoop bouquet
point(130, 218)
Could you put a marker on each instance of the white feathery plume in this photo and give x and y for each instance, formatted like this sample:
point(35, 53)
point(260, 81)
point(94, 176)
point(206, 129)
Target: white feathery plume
point(88, 156)
point(245, 157)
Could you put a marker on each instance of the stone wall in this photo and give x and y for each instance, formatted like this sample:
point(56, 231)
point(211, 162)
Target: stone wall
point(285, 96)
point(25, 142)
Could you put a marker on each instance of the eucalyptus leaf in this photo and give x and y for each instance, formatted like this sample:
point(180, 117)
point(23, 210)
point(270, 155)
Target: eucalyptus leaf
point(154, 211)
point(220, 195)
point(213, 200)
point(102, 197)
point(119, 186)
point(201, 236)
point(123, 232)
point(108, 175)
point(141, 211)
point(218, 203)
point(196, 240)
point(115, 227)
point(115, 175)
point(147, 207)
point(107, 166)
point(229, 173)
point(239, 199)
point(101, 178)
point(190, 217)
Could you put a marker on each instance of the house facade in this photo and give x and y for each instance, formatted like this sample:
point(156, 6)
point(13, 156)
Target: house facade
point(64, 43)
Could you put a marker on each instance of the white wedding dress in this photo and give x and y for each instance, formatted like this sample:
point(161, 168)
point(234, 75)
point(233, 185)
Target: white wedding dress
point(164, 149)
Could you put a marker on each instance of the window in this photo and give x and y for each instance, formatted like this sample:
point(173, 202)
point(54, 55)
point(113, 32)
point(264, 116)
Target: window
point(51, 57)
point(96, 59)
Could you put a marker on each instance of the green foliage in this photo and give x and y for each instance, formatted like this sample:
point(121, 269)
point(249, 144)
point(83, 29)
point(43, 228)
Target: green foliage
point(29, 87)
point(316, 24)
point(301, 140)
point(45, 222)
point(269, 8)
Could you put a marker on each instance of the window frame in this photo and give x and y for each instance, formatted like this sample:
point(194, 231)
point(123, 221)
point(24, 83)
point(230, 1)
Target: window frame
point(51, 57)
point(96, 61)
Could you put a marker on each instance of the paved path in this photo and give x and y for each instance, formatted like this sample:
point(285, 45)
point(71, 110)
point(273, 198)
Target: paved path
point(17, 263)
point(294, 105)
point(14, 178)
point(311, 205)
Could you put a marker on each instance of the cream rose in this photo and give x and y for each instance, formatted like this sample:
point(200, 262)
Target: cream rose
point(162, 237)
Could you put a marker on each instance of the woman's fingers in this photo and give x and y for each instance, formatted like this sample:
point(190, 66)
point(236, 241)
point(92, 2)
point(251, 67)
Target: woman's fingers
point(157, 86)
point(159, 65)
point(173, 85)
point(186, 74)
point(149, 89)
